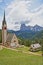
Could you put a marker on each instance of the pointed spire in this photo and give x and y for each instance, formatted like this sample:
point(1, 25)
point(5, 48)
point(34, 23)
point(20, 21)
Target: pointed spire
point(4, 15)
point(4, 21)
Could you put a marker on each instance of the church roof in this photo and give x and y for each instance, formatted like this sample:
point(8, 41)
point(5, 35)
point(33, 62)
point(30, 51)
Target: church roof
point(9, 37)
point(4, 21)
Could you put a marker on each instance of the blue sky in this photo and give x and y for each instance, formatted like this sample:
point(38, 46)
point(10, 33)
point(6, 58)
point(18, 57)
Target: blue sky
point(29, 12)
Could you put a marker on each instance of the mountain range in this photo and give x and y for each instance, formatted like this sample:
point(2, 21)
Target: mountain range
point(31, 28)
point(29, 32)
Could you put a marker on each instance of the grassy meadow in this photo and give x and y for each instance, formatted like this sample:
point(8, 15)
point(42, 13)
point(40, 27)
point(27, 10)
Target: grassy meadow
point(11, 57)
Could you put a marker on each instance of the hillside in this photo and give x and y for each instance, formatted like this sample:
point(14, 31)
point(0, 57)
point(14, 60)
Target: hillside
point(38, 35)
point(29, 34)
point(12, 57)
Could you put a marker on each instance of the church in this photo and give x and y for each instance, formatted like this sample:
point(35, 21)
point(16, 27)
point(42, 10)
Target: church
point(8, 39)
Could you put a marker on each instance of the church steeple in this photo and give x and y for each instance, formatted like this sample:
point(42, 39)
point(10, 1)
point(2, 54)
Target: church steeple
point(4, 21)
point(4, 30)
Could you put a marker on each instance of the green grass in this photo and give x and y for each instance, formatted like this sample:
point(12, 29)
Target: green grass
point(39, 52)
point(24, 48)
point(11, 57)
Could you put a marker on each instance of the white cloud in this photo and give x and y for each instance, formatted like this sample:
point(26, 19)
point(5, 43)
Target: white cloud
point(36, 20)
point(18, 11)
point(37, 16)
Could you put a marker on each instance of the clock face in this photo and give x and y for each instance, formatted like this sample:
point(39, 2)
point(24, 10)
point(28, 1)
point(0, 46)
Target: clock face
point(4, 27)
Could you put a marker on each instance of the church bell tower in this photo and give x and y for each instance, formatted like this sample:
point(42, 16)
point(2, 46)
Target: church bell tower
point(4, 31)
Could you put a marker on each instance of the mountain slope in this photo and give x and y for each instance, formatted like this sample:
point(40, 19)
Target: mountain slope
point(28, 34)
point(38, 35)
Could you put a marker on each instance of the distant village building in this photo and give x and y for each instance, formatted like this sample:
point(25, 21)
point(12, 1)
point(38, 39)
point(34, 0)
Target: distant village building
point(35, 47)
point(8, 39)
